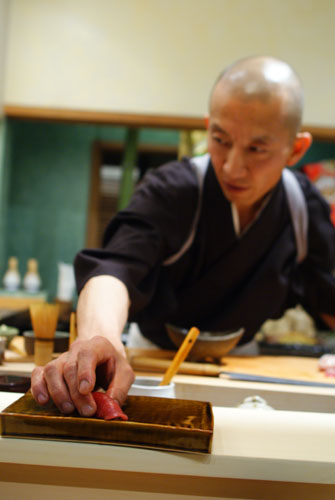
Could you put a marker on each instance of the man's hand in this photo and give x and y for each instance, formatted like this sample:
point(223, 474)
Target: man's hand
point(70, 379)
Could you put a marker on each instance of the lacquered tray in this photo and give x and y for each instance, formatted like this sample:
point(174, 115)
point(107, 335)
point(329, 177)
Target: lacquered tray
point(159, 423)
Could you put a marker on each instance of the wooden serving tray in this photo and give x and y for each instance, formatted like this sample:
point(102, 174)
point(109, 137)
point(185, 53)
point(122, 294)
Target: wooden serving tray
point(158, 423)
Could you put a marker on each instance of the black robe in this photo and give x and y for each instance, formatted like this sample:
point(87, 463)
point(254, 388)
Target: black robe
point(223, 281)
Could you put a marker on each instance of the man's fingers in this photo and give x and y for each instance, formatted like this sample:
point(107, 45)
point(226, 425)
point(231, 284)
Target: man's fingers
point(122, 380)
point(94, 353)
point(117, 371)
point(39, 387)
point(88, 358)
point(85, 404)
point(53, 374)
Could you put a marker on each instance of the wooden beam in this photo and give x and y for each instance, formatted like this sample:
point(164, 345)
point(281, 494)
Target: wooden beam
point(104, 118)
point(131, 119)
point(326, 134)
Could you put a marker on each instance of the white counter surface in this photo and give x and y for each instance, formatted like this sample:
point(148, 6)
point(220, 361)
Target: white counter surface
point(254, 444)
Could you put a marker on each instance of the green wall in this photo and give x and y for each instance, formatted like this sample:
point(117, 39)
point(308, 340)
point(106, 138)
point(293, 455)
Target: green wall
point(4, 160)
point(49, 166)
point(320, 150)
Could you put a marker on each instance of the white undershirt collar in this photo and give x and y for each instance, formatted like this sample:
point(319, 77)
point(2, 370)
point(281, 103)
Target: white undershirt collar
point(236, 217)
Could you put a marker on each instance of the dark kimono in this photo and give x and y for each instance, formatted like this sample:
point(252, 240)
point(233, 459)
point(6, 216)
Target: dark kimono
point(224, 280)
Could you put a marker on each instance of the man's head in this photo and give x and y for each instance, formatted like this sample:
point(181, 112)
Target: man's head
point(254, 119)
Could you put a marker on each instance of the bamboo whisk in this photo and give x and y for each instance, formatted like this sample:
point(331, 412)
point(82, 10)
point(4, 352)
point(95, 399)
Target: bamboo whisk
point(44, 318)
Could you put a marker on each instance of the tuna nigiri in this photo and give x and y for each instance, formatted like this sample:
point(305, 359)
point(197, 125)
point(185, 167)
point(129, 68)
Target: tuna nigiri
point(107, 408)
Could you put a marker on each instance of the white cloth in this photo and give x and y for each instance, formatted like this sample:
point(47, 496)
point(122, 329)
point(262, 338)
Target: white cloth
point(249, 349)
point(137, 340)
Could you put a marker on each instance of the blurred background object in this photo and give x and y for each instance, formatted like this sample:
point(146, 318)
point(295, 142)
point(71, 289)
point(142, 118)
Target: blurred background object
point(8, 332)
point(3, 341)
point(61, 341)
point(44, 318)
point(295, 334)
point(322, 175)
point(12, 278)
point(65, 290)
point(295, 326)
point(32, 280)
point(209, 346)
point(192, 143)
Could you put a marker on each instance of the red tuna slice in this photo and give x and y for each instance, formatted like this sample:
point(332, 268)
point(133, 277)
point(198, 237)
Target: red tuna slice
point(107, 408)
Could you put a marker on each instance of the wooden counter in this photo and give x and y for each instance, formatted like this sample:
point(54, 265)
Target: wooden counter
point(256, 454)
point(229, 393)
point(20, 300)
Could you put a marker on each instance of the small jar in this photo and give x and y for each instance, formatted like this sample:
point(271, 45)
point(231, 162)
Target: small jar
point(12, 278)
point(32, 280)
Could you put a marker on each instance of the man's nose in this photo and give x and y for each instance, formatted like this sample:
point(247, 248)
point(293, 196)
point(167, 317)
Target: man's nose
point(234, 165)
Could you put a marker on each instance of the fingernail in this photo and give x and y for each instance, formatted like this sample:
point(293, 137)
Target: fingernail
point(84, 386)
point(42, 399)
point(67, 407)
point(87, 410)
point(115, 394)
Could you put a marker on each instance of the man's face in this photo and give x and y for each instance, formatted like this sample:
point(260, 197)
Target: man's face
point(249, 145)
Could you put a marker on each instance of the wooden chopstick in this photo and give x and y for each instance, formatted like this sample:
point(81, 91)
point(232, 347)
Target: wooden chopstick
point(73, 328)
point(181, 354)
point(146, 364)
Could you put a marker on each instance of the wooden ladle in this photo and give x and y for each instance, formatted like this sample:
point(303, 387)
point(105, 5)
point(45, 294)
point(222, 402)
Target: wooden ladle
point(180, 355)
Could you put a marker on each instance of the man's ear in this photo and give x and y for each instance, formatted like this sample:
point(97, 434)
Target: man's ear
point(301, 144)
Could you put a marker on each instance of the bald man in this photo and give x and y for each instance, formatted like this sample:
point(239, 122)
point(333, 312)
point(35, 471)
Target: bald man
point(209, 241)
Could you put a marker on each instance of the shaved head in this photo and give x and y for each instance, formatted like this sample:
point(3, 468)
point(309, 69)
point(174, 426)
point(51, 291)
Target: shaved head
point(265, 79)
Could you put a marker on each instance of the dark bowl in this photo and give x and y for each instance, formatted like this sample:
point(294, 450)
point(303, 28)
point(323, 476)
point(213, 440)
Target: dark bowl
point(208, 344)
point(61, 341)
point(14, 383)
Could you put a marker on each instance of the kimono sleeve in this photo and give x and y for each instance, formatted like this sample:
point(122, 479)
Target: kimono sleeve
point(139, 238)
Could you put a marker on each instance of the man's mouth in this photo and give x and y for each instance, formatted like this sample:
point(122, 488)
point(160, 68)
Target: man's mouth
point(235, 188)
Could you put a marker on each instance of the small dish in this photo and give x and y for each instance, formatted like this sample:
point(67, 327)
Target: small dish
point(8, 332)
point(14, 383)
point(61, 341)
point(149, 386)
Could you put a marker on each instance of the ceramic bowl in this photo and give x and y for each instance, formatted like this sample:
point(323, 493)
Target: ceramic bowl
point(61, 341)
point(149, 386)
point(14, 383)
point(8, 332)
point(208, 344)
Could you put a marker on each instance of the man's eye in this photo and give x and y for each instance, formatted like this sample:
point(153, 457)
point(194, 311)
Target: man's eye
point(257, 149)
point(221, 141)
